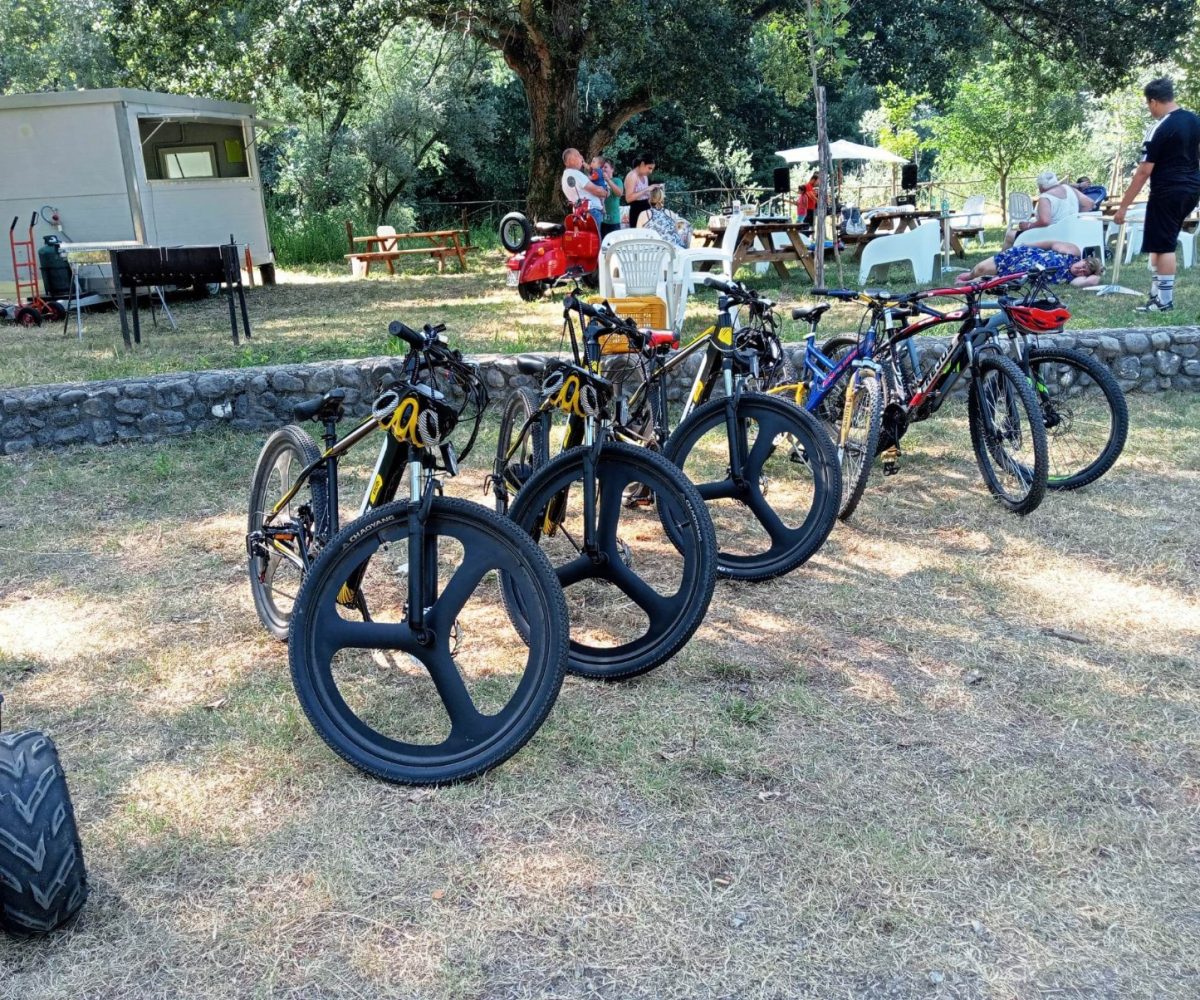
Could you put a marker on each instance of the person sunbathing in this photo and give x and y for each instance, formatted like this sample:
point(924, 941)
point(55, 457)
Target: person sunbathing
point(1064, 261)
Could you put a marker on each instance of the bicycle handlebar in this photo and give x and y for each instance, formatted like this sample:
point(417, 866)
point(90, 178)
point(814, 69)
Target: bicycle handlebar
point(417, 341)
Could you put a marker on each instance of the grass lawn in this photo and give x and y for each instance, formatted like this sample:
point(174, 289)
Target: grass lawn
point(954, 756)
point(325, 314)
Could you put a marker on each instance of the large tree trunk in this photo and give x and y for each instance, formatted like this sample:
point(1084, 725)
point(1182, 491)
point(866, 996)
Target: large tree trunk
point(553, 127)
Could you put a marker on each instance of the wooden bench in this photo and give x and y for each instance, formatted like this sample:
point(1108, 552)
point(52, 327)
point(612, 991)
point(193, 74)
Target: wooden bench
point(386, 247)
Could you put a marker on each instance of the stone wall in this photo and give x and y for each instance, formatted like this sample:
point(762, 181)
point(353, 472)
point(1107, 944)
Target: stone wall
point(254, 399)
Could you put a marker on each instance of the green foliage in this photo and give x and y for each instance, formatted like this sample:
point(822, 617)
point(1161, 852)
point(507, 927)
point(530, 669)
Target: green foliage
point(55, 45)
point(1003, 119)
point(894, 123)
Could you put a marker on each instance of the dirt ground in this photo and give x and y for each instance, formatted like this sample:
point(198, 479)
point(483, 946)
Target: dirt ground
point(957, 755)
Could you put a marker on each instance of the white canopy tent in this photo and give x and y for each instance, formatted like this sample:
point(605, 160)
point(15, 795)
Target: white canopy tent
point(840, 150)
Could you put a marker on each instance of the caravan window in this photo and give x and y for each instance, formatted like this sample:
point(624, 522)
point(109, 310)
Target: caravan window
point(194, 148)
point(187, 162)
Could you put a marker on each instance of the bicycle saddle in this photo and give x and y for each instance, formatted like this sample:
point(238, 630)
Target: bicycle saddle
point(326, 407)
point(812, 314)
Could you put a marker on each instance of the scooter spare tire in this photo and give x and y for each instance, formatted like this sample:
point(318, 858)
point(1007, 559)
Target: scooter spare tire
point(42, 878)
point(516, 232)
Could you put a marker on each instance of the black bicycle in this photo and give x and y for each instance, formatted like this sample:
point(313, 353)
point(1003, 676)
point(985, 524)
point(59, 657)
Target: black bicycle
point(630, 537)
point(402, 652)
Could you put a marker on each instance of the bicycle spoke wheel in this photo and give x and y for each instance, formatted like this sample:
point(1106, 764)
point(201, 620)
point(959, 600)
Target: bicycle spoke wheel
point(447, 704)
point(782, 508)
point(275, 568)
point(1008, 434)
point(521, 449)
point(637, 595)
point(1084, 411)
point(858, 441)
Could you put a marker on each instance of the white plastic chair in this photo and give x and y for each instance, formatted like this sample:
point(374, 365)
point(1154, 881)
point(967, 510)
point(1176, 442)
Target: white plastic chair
point(971, 216)
point(1084, 233)
point(643, 266)
point(917, 246)
point(606, 259)
point(723, 255)
point(1020, 207)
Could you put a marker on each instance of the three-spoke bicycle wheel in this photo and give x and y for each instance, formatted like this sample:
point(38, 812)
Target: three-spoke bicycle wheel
point(858, 437)
point(1085, 414)
point(781, 509)
point(447, 702)
point(638, 592)
point(1007, 433)
point(522, 447)
point(277, 572)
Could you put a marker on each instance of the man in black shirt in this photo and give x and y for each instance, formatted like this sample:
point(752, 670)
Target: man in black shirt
point(1171, 162)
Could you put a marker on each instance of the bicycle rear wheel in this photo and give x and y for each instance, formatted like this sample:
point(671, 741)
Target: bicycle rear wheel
point(859, 440)
point(785, 504)
point(1085, 414)
point(521, 449)
point(638, 595)
point(1007, 433)
point(452, 704)
point(276, 569)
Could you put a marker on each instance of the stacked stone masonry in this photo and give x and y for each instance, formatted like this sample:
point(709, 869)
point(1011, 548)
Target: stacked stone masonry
point(260, 399)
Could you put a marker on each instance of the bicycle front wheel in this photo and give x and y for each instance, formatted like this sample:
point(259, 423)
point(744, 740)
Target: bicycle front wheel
point(858, 437)
point(521, 449)
point(1085, 415)
point(635, 592)
point(780, 510)
point(446, 703)
point(1007, 433)
point(275, 566)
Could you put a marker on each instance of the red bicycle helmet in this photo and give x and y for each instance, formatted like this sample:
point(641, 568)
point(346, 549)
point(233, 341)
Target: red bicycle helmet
point(1039, 317)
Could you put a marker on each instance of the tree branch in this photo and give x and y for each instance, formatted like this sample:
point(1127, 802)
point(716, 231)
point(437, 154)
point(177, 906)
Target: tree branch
point(607, 128)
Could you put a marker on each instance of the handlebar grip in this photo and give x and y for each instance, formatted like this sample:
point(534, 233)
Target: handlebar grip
point(836, 293)
point(33, 219)
point(723, 286)
point(410, 337)
point(14, 224)
point(571, 302)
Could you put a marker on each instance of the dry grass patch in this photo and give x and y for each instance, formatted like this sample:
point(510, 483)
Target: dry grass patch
point(954, 756)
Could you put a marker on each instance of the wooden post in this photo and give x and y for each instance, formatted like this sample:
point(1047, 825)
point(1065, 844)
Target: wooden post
point(350, 234)
point(249, 268)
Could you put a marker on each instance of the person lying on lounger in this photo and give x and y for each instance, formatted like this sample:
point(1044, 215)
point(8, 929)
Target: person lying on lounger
point(1064, 261)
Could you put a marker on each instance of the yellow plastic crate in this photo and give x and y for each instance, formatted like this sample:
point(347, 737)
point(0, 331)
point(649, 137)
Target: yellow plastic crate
point(648, 311)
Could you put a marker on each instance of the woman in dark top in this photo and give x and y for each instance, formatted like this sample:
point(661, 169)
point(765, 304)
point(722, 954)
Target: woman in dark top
point(637, 187)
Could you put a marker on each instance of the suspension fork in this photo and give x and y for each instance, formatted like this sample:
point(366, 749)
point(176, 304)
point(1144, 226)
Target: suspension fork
point(733, 426)
point(594, 442)
point(422, 551)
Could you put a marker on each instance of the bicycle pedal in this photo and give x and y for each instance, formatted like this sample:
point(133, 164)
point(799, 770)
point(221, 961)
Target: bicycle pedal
point(890, 467)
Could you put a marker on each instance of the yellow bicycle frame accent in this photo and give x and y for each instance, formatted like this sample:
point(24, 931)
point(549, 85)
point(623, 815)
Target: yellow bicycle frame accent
point(402, 424)
point(567, 398)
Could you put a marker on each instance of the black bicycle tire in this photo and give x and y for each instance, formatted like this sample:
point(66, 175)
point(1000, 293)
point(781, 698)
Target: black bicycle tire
point(828, 485)
point(522, 403)
point(1033, 420)
point(43, 880)
point(295, 439)
point(619, 663)
point(854, 486)
point(1118, 408)
point(313, 687)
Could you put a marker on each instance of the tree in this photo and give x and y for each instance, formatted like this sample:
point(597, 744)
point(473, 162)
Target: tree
point(56, 45)
point(894, 122)
point(1003, 119)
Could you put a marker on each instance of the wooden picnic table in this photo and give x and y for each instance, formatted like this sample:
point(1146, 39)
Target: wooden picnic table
point(746, 253)
point(387, 248)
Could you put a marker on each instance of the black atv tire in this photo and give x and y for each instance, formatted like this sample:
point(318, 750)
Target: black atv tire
point(43, 882)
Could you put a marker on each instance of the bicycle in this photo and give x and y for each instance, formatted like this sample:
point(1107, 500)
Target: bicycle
point(1083, 407)
point(400, 648)
point(630, 537)
point(739, 449)
point(1008, 434)
point(294, 493)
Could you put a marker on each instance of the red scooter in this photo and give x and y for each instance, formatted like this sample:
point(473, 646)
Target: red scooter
point(545, 252)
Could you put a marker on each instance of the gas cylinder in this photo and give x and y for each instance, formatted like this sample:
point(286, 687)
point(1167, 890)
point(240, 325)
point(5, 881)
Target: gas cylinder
point(56, 272)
